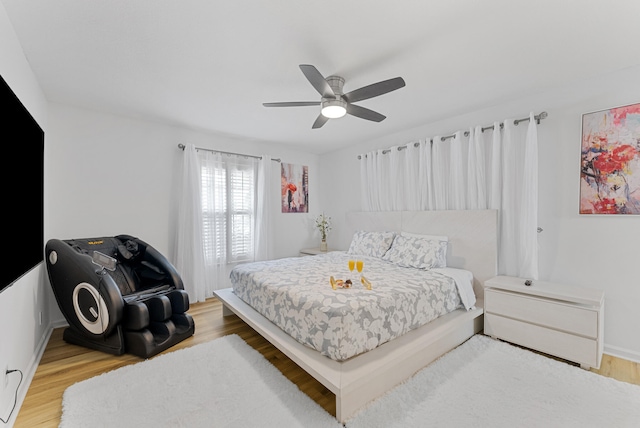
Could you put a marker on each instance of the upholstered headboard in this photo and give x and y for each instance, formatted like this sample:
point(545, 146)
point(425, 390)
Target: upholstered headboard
point(473, 238)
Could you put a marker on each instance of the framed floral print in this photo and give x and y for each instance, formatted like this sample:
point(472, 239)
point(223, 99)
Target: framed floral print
point(610, 161)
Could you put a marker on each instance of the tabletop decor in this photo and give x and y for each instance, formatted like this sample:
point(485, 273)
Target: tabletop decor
point(323, 224)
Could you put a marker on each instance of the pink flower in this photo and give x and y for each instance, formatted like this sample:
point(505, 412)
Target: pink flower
point(606, 164)
point(605, 206)
point(624, 153)
point(616, 160)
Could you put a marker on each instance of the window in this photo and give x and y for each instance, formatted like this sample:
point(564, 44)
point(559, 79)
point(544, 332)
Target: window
point(229, 209)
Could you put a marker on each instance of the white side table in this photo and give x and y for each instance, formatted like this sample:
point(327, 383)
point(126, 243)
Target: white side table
point(557, 319)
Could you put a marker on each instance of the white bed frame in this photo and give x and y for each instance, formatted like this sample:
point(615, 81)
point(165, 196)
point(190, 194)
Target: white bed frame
point(360, 379)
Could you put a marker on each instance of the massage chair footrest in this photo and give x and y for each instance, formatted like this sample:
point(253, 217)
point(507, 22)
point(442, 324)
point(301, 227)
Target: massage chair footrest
point(139, 313)
point(159, 336)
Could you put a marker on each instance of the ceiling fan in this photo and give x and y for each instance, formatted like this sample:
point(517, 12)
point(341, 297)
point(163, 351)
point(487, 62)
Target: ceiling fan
point(335, 103)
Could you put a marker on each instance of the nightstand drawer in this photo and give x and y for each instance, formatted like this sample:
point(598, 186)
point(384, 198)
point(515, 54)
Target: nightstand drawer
point(573, 348)
point(548, 313)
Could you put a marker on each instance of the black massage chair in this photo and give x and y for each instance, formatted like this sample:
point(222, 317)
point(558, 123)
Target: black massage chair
point(119, 295)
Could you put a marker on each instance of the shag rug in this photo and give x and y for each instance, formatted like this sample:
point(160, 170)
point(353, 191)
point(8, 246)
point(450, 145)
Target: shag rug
point(225, 383)
point(488, 383)
point(222, 383)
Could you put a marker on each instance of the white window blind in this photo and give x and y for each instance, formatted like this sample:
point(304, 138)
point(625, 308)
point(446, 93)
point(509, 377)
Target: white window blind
point(228, 208)
point(241, 212)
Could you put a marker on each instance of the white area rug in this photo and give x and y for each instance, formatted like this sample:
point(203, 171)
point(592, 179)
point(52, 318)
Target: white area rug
point(223, 383)
point(487, 383)
point(226, 383)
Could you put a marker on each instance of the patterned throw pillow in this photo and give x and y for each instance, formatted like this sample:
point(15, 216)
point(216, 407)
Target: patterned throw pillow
point(415, 252)
point(373, 244)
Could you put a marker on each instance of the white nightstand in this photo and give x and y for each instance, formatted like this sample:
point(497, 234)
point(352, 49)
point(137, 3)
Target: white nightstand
point(557, 319)
point(313, 251)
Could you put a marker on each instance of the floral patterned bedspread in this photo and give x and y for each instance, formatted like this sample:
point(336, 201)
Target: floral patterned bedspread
point(296, 295)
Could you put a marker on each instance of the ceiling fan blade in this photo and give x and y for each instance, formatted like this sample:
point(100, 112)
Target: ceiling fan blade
point(321, 120)
point(374, 90)
point(317, 80)
point(364, 113)
point(292, 104)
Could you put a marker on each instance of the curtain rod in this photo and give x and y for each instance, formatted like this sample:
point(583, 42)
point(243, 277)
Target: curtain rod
point(537, 118)
point(182, 146)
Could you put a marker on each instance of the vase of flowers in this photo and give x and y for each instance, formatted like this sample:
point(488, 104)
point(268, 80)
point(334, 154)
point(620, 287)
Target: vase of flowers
point(323, 224)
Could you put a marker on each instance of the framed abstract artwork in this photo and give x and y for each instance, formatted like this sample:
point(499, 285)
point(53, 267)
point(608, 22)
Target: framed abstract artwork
point(295, 188)
point(610, 161)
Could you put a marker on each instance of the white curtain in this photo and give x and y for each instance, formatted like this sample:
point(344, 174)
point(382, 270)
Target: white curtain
point(189, 257)
point(410, 190)
point(218, 228)
point(440, 168)
point(264, 209)
point(426, 174)
point(476, 179)
point(496, 169)
point(528, 267)
point(458, 171)
point(214, 177)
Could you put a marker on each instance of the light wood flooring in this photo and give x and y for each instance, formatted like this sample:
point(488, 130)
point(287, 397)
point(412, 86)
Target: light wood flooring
point(63, 364)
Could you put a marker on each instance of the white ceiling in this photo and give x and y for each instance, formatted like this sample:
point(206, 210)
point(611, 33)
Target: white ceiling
point(210, 64)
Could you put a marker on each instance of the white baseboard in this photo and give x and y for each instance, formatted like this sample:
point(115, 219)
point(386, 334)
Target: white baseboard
point(30, 372)
point(625, 354)
point(58, 324)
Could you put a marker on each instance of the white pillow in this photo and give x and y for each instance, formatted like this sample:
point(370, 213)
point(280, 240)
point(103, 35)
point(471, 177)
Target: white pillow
point(373, 244)
point(419, 253)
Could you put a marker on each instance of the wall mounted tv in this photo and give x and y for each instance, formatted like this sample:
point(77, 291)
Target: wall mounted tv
point(22, 174)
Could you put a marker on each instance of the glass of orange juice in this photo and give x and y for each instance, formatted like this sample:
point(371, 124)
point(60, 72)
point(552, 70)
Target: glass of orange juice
point(360, 266)
point(352, 265)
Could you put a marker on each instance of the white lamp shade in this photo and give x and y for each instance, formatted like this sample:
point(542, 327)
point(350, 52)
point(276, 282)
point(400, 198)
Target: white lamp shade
point(334, 109)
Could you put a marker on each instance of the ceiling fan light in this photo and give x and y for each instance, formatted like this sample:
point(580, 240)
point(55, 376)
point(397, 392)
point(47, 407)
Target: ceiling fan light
point(334, 109)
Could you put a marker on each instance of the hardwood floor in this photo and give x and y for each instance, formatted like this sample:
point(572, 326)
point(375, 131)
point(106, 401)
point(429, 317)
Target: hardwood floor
point(63, 364)
point(617, 368)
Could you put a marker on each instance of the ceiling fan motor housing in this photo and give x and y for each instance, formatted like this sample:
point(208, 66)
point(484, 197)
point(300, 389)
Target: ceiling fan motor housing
point(334, 108)
point(336, 83)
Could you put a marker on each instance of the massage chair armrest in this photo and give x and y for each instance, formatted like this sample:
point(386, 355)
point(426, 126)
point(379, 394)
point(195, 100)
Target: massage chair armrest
point(67, 266)
point(151, 256)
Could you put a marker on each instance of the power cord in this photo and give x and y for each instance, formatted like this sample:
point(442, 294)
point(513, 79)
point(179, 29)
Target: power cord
point(15, 398)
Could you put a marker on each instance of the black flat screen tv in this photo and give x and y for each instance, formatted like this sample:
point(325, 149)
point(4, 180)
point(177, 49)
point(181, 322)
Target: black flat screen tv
point(22, 174)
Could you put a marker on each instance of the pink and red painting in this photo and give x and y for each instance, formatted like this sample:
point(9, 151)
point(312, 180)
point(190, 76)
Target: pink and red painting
point(295, 188)
point(610, 164)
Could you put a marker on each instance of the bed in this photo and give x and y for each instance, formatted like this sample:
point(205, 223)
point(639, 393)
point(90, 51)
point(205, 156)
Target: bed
point(356, 358)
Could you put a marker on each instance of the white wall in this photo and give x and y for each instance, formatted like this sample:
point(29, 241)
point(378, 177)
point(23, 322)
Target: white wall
point(21, 332)
point(112, 175)
point(591, 251)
